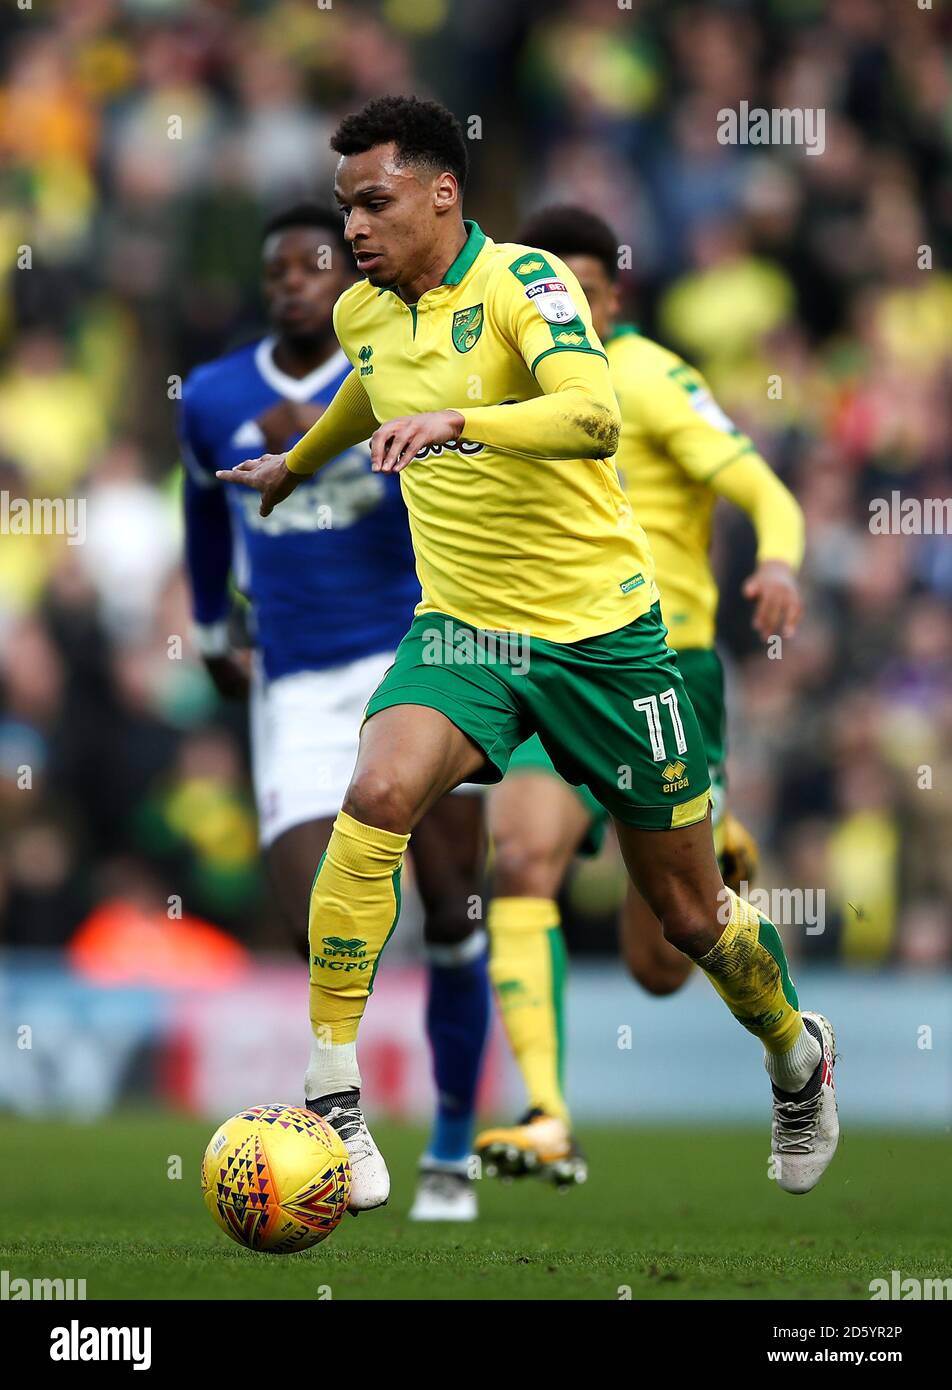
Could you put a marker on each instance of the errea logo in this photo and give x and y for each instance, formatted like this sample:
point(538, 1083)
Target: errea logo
point(673, 774)
point(365, 354)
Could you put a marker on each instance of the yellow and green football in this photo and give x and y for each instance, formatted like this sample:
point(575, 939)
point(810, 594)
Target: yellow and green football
point(276, 1178)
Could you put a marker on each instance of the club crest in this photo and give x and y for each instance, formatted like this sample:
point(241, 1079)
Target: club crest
point(467, 326)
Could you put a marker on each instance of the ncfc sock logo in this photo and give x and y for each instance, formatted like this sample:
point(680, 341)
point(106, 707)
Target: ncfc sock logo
point(343, 953)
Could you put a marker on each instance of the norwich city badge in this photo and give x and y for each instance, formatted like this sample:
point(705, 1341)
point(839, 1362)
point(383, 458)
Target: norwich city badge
point(467, 326)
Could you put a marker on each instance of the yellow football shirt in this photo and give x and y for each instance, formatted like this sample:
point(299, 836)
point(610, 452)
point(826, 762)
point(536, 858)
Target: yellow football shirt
point(677, 453)
point(504, 539)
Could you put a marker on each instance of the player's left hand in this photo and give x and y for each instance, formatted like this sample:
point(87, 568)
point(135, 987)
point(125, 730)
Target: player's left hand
point(393, 445)
point(776, 594)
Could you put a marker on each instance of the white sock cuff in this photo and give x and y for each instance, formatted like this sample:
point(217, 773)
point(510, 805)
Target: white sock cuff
point(791, 1070)
point(332, 1068)
point(459, 952)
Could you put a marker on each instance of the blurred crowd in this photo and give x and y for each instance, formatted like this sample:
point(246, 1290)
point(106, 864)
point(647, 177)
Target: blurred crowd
point(141, 145)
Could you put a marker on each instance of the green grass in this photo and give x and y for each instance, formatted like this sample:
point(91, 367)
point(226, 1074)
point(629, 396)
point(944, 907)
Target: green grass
point(670, 1213)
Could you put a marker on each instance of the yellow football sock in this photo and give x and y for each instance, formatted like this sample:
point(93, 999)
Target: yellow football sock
point(355, 903)
point(748, 969)
point(527, 968)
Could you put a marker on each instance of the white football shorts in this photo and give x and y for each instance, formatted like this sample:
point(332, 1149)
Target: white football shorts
point(304, 734)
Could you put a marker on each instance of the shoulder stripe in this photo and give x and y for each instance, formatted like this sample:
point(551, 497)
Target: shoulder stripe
point(534, 265)
point(748, 448)
point(568, 347)
point(531, 266)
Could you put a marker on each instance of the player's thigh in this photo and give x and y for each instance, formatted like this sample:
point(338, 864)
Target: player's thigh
point(438, 718)
point(536, 824)
point(676, 872)
point(409, 757)
point(292, 861)
point(659, 967)
point(614, 715)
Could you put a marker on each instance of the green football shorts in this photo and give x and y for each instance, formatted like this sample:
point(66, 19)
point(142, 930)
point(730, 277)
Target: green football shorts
point(704, 680)
point(612, 712)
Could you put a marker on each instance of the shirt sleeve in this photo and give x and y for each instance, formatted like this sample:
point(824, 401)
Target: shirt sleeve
point(207, 530)
point(751, 484)
point(675, 408)
point(348, 420)
point(537, 305)
point(681, 416)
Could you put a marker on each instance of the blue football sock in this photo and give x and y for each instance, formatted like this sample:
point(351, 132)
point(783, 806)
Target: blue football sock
point(457, 1021)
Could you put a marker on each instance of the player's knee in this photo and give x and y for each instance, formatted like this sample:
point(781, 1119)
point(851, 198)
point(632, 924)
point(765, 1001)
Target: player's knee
point(524, 868)
point(375, 797)
point(689, 928)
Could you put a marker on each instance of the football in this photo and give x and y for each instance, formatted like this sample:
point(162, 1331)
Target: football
point(276, 1178)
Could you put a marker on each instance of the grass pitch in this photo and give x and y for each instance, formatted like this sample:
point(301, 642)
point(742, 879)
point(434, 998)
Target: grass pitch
point(666, 1213)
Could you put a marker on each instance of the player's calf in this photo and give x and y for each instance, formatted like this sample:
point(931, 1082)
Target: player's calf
point(659, 967)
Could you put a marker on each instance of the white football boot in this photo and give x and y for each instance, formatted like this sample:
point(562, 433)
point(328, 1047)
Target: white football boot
point(805, 1129)
point(445, 1192)
point(370, 1180)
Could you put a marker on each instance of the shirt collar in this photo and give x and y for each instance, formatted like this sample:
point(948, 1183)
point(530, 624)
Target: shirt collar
point(474, 243)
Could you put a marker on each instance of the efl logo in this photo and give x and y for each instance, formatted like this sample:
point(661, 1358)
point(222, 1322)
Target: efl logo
point(552, 299)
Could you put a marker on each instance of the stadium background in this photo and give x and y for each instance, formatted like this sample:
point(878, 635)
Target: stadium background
point(756, 263)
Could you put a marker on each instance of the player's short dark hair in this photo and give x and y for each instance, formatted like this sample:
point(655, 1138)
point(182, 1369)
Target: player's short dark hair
point(321, 216)
point(424, 132)
point(566, 230)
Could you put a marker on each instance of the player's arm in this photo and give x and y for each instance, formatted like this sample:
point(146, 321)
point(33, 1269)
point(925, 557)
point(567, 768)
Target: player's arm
point(347, 421)
point(751, 484)
point(681, 416)
point(577, 415)
point(208, 559)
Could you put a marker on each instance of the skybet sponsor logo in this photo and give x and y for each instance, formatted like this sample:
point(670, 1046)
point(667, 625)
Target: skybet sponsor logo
point(795, 125)
point(552, 299)
point(896, 515)
point(76, 1343)
point(450, 645)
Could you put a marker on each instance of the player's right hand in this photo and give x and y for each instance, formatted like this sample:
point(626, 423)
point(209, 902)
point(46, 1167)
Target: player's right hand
point(267, 475)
